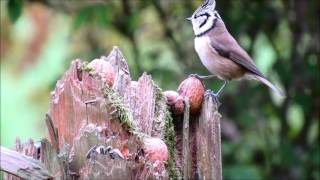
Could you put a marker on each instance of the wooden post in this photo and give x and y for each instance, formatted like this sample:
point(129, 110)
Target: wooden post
point(201, 141)
point(208, 135)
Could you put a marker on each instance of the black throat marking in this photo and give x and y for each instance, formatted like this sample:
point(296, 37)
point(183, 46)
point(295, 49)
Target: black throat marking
point(205, 21)
point(213, 25)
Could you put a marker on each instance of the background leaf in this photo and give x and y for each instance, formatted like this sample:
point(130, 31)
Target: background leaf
point(15, 9)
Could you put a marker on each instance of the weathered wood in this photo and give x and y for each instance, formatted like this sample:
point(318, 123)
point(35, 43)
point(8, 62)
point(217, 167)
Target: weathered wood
point(22, 166)
point(208, 135)
point(99, 166)
point(200, 158)
point(69, 110)
point(42, 152)
point(132, 118)
point(185, 141)
point(87, 112)
point(52, 132)
point(49, 157)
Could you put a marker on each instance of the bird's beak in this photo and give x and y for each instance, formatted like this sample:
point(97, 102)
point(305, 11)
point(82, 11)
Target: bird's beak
point(189, 18)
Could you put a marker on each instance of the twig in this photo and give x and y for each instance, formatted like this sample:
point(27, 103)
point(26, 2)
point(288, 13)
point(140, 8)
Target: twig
point(185, 140)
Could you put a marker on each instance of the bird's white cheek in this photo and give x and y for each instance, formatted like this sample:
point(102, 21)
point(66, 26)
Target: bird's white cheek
point(195, 29)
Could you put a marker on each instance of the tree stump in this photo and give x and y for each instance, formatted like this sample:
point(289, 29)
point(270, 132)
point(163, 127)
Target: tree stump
point(103, 125)
point(124, 114)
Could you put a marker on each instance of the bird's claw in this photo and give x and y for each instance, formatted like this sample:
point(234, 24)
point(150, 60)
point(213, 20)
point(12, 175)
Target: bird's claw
point(212, 94)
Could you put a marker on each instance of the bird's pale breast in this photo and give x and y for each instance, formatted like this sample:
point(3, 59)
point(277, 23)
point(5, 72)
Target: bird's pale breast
point(216, 64)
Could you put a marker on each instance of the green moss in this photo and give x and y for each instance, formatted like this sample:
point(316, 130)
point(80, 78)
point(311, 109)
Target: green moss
point(120, 110)
point(125, 117)
point(84, 67)
point(159, 97)
point(169, 136)
point(158, 93)
point(170, 141)
point(159, 110)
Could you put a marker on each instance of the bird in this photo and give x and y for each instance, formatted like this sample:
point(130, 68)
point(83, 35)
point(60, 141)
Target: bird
point(219, 52)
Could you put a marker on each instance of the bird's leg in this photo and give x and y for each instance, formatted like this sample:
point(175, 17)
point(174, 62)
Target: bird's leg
point(224, 85)
point(216, 95)
point(202, 77)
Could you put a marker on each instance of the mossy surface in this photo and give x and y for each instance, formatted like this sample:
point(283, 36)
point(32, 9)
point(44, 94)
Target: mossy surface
point(84, 67)
point(170, 141)
point(160, 106)
point(121, 112)
point(159, 97)
point(169, 134)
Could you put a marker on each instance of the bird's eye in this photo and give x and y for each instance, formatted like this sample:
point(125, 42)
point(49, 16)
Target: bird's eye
point(197, 15)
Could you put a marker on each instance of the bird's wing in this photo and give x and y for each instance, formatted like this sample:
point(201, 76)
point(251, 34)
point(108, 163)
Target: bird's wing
point(226, 46)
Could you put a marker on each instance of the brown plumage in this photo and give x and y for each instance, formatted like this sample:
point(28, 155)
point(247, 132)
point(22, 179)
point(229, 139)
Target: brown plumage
point(223, 44)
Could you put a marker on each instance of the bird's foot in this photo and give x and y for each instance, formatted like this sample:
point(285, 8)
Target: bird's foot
point(214, 95)
point(196, 76)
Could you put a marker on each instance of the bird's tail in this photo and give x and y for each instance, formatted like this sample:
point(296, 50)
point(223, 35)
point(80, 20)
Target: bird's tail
point(268, 83)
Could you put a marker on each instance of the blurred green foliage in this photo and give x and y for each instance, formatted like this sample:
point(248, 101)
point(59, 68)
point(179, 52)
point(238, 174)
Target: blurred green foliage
point(264, 137)
point(14, 9)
